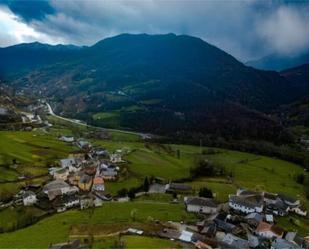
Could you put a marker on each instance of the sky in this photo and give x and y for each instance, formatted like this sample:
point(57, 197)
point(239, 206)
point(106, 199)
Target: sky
point(247, 29)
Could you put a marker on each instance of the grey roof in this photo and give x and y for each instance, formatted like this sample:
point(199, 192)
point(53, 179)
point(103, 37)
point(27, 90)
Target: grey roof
point(251, 201)
point(55, 185)
point(255, 216)
point(67, 162)
point(109, 172)
point(28, 193)
point(290, 236)
point(3, 111)
point(284, 244)
point(235, 242)
point(270, 196)
point(85, 178)
point(179, 186)
point(253, 241)
point(200, 201)
point(286, 198)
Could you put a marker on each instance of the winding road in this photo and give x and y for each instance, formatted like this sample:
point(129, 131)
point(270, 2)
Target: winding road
point(78, 122)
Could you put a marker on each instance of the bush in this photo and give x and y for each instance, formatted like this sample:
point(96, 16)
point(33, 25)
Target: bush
point(300, 178)
point(205, 192)
point(122, 192)
point(206, 168)
point(131, 193)
point(306, 187)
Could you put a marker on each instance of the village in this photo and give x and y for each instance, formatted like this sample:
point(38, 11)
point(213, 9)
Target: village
point(247, 220)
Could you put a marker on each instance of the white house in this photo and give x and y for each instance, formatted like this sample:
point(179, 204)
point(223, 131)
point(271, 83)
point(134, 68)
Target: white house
point(57, 188)
point(299, 210)
point(116, 158)
point(68, 139)
point(201, 205)
point(29, 198)
point(247, 203)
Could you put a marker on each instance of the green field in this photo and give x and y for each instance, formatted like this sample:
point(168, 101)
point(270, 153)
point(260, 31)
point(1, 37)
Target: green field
point(140, 242)
point(33, 153)
point(56, 228)
point(35, 150)
point(31, 148)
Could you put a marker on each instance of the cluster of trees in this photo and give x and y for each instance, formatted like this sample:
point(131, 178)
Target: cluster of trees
point(304, 180)
point(206, 168)
point(205, 192)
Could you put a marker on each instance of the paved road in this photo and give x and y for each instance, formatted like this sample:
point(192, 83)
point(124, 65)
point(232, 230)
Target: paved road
point(78, 122)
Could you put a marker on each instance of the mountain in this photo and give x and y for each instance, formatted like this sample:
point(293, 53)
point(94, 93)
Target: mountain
point(162, 84)
point(279, 62)
point(297, 113)
point(24, 57)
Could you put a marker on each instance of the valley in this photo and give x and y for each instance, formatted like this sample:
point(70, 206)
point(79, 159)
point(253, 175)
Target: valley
point(36, 150)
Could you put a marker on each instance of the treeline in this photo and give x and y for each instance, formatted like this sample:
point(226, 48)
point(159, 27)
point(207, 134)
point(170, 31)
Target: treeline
point(286, 152)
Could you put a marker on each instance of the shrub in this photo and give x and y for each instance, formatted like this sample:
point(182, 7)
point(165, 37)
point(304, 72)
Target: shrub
point(205, 192)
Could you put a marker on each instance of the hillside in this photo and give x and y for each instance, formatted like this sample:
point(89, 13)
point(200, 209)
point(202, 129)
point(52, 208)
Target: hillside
point(24, 57)
point(163, 84)
point(279, 62)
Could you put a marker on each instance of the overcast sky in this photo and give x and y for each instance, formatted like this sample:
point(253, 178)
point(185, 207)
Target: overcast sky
point(247, 29)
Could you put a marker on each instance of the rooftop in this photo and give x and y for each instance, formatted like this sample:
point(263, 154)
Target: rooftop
point(200, 201)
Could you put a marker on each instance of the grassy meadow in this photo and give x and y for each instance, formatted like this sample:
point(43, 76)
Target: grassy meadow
point(35, 150)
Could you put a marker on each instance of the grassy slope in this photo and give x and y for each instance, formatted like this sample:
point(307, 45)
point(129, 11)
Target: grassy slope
point(251, 171)
point(138, 242)
point(33, 151)
point(56, 228)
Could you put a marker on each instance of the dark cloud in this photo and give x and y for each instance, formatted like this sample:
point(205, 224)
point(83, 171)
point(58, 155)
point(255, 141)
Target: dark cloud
point(29, 9)
point(246, 29)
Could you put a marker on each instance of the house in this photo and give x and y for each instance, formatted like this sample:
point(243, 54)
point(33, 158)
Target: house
point(29, 198)
point(270, 198)
point(289, 201)
point(254, 219)
point(70, 201)
point(284, 244)
point(109, 174)
point(57, 188)
point(86, 202)
point(252, 203)
point(253, 241)
point(208, 229)
point(201, 205)
point(233, 241)
point(269, 218)
point(269, 231)
point(85, 182)
point(115, 158)
point(61, 203)
point(61, 174)
point(178, 188)
point(277, 208)
point(70, 164)
point(223, 225)
point(68, 139)
point(185, 236)
point(83, 144)
point(299, 210)
point(98, 184)
point(90, 170)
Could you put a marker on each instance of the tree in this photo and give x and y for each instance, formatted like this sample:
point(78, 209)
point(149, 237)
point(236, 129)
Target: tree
point(146, 184)
point(205, 192)
point(122, 192)
point(300, 178)
point(131, 193)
